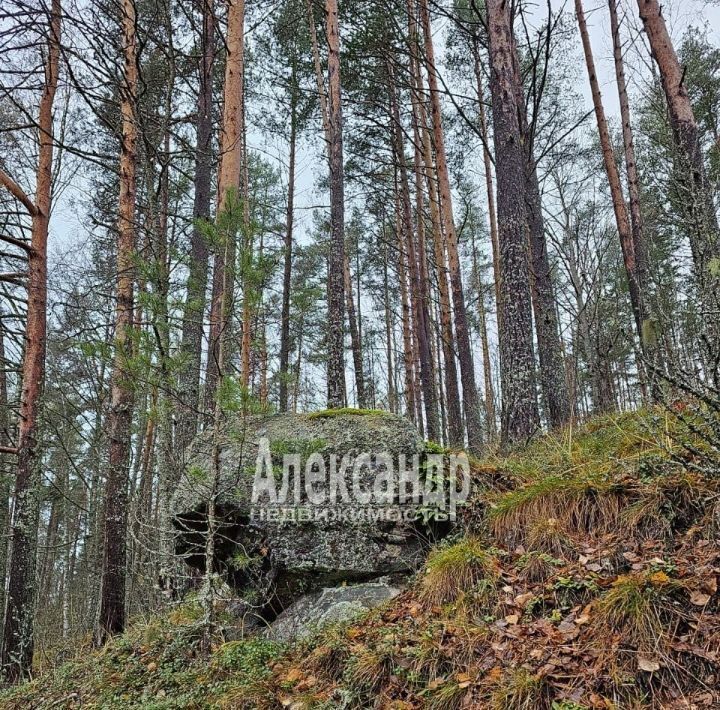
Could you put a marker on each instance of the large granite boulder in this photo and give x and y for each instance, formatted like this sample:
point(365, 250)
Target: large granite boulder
point(328, 606)
point(275, 561)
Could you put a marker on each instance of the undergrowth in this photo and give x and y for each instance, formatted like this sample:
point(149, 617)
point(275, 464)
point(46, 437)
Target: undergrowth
point(585, 577)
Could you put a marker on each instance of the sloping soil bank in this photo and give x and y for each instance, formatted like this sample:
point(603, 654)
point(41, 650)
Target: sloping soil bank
point(585, 576)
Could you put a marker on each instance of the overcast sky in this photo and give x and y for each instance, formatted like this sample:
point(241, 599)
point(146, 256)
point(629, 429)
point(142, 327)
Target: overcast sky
point(68, 217)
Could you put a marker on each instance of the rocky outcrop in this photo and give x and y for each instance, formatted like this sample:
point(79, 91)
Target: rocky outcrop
point(328, 606)
point(273, 562)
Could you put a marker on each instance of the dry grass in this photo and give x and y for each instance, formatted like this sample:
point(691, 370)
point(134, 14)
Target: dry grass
point(521, 619)
point(368, 668)
point(447, 696)
point(329, 657)
point(545, 514)
point(520, 690)
point(458, 570)
point(537, 566)
point(642, 609)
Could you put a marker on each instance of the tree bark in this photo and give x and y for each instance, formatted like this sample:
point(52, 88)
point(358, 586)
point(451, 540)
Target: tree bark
point(5, 442)
point(410, 408)
point(192, 327)
point(112, 593)
point(434, 430)
point(336, 260)
point(642, 263)
point(490, 423)
point(451, 417)
point(355, 339)
point(355, 342)
point(18, 642)
point(452, 393)
point(392, 401)
point(467, 368)
point(619, 206)
point(699, 207)
point(552, 369)
point(288, 247)
point(487, 164)
point(231, 149)
point(417, 297)
point(250, 298)
point(519, 418)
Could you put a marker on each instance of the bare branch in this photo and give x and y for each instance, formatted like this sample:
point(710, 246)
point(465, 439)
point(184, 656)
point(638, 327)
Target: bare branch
point(18, 193)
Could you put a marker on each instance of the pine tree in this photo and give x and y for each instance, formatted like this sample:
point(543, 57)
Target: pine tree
point(519, 418)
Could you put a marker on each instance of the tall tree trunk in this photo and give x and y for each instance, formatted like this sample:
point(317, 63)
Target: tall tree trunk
point(142, 508)
point(192, 327)
point(251, 298)
point(487, 164)
point(298, 364)
point(355, 342)
point(619, 206)
point(490, 422)
point(423, 286)
point(467, 368)
point(451, 417)
point(410, 408)
point(288, 246)
point(490, 414)
point(46, 574)
point(418, 301)
point(169, 465)
point(336, 260)
point(520, 418)
point(552, 369)
point(355, 339)
point(231, 175)
point(17, 650)
point(392, 402)
point(112, 591)
point(642, 264)
point(263, 358)
point(697, 199)
point(231, 149)
point(5, 444)
point(452, 393)
point(636, 219)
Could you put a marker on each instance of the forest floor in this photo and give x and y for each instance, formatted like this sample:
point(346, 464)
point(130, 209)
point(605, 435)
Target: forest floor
point(585, 576)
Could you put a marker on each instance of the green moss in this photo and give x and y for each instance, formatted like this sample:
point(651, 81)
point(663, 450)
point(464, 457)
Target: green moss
point(432, 447)
point(344, 411)
point(304, 447)
point(249, 657)
point(157, 665)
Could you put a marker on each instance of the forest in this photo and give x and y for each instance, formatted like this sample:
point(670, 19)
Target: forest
point(434, 228)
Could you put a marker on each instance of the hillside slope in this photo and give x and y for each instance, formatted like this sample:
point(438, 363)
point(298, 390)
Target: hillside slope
point(585, 576)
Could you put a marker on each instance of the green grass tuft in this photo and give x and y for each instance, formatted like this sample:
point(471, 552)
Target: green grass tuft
point(457, 570)
point(642, 607)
